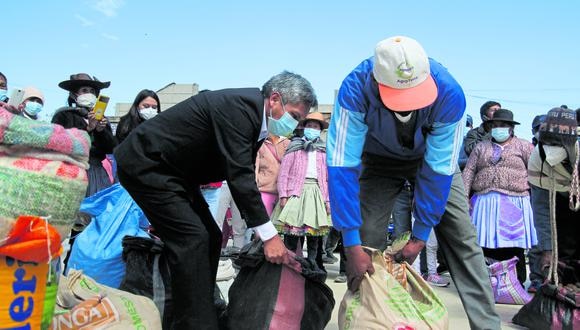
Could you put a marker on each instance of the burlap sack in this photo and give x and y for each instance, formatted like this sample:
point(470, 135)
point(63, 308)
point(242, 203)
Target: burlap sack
point(382, 302)
point(82, 303)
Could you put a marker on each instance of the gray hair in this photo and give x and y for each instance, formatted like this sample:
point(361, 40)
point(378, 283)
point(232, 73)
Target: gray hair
point(293, 88)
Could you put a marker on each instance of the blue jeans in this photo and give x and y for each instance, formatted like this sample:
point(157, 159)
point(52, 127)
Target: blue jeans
point(212, 198)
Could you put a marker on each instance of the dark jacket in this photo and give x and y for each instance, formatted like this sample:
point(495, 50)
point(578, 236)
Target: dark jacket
point(126, 125)
point(102, 143)
point(473, 137)
point(210, 137)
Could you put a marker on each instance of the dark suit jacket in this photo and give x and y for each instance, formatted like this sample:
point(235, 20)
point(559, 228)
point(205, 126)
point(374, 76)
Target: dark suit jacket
point(212, 136)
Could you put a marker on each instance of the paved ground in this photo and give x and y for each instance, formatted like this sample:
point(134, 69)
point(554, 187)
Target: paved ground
point(457, 317)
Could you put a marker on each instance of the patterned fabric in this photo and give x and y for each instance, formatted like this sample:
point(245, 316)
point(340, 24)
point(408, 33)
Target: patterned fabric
point(29, 134)
point(503, 221)
point(505, 285)
point(40, 187)
point(498, 168)
point(42, 171)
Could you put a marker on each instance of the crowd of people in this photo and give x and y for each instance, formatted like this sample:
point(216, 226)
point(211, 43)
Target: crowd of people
point(394, 151)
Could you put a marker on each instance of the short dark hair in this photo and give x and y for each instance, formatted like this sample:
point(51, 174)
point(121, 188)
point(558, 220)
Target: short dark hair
point(486, 106)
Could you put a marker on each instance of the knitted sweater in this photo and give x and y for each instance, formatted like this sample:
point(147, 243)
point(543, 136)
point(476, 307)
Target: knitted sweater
point(509, 175)
point(268, 164)
point(293, 174)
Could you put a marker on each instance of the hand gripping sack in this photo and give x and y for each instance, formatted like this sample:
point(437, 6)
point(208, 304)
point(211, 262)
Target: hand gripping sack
point(504, 283)
point(382, 302)
point(277, 297)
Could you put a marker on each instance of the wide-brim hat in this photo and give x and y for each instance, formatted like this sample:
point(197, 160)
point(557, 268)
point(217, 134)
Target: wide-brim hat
point(83, 79)
point(503, 115)
point(315, 116)
point(402, 70)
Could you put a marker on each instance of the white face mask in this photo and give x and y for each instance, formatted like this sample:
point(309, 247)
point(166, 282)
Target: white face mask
point(147, 113)
point(555, 154)
point(87, 100)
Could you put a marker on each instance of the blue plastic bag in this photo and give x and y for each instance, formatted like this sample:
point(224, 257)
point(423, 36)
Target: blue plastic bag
point(98, 249)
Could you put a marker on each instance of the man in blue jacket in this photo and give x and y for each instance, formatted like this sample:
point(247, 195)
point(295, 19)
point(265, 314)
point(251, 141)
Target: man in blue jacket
point(400, 116)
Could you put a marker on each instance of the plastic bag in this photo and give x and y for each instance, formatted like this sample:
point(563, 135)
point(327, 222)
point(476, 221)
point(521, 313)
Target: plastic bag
point(554, 307)
point(504, 282)
point(394, 297)
point(98, 249)
point(270, 296)
point(32, 239)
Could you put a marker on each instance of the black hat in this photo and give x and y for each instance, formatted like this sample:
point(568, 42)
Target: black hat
point(503, 115)
point(82, 79)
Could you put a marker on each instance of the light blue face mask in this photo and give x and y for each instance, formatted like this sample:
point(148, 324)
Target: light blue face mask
point(500, 134)
point(311, 133)
point(3, 95)
point(32, 108)
point(283, 126)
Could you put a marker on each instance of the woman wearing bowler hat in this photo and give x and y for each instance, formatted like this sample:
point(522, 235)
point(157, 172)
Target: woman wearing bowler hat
point(496, 179)
point(83, 91)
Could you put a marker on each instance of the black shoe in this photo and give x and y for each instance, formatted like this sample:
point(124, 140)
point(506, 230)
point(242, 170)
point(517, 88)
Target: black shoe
point(341, 278)
point(329, 259)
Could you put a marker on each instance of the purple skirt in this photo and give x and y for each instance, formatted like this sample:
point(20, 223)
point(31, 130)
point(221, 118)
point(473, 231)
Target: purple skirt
point(503, 221)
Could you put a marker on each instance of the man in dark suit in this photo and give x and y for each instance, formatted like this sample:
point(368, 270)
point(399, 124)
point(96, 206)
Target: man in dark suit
point(210, 137)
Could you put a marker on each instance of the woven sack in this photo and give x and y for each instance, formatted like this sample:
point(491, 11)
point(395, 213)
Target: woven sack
point(42, 171)
point(504, 283)
point(383, 302)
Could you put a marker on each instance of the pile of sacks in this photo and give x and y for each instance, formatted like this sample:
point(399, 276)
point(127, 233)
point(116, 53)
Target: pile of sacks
point(43, 180)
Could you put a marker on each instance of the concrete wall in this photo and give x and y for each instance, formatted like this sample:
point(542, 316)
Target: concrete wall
point(169, 96)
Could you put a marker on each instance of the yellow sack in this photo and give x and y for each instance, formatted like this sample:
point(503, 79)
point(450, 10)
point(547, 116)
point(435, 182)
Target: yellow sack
point(27, 293)
point(384, 301)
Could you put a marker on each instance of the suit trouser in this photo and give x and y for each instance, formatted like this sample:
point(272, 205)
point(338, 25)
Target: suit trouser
point(192, 247)
point(381, 181)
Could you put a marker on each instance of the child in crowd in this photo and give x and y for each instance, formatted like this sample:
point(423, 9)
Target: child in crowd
point(303, 208)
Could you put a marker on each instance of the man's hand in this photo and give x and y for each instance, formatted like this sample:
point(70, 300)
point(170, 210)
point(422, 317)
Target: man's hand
point(327, 204)
point(411, 250)
point(358, 263)
point(275, 251)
